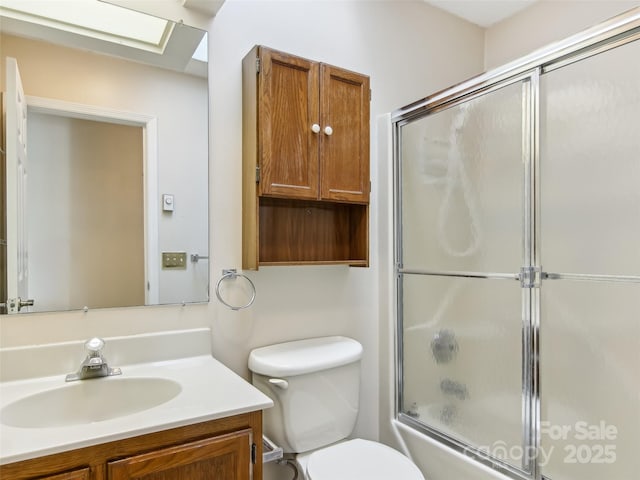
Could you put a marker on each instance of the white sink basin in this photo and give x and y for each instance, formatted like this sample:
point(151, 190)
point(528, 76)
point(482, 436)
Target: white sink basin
point(169, 380)
point(88, 401)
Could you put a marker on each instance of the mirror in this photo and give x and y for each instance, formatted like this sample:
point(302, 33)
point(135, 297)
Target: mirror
point(109, 206)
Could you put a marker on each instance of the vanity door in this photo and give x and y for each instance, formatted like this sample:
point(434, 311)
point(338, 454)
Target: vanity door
point(75, 475)
point(224, 457)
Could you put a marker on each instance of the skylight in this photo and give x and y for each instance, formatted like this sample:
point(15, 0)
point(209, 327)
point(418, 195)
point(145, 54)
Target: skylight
point(201, 52)
point(95, 19)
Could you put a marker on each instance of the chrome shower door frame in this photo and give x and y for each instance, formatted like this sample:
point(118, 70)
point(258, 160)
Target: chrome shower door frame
point(527, 70)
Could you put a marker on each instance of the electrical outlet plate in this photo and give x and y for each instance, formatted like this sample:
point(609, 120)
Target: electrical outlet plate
point(174, 260)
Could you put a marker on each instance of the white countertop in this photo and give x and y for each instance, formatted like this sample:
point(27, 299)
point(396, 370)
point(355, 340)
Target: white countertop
point(210, 391)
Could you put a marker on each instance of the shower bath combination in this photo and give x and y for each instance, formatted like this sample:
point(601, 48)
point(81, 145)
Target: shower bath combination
point(533, 164)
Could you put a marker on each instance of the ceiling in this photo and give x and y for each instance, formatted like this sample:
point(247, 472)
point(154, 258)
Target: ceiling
point(482, 12)
point(76, 25)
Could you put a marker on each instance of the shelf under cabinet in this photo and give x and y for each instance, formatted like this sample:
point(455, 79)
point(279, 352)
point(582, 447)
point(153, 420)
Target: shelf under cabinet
point(300, 232)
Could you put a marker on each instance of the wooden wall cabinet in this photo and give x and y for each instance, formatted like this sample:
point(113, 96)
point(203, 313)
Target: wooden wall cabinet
point(305, 162)
point(226, 449)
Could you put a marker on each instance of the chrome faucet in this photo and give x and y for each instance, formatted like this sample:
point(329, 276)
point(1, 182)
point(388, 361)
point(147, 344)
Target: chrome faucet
point(94, 365)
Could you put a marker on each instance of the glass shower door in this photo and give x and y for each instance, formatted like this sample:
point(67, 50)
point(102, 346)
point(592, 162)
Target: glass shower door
point(460, 226)
point(536, 178)
point(590, 312)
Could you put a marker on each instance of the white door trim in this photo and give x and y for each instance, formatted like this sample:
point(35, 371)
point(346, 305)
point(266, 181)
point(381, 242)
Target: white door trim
point(16, 169)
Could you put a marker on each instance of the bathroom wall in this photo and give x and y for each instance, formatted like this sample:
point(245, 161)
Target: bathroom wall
point(409, 49)
point(545, 22)
point(398, 44)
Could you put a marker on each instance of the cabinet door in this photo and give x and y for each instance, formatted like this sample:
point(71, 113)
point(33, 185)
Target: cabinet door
point(288, 107)
point(75, 475)
point(344, 149)
point(226, 457)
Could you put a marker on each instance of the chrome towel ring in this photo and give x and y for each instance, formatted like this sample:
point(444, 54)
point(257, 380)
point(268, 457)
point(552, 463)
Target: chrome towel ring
point(232, 274)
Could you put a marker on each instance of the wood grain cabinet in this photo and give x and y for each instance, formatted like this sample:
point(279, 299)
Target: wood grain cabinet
point(224, 449)
point(305, 161)
point(82, 474)
point(225, 457)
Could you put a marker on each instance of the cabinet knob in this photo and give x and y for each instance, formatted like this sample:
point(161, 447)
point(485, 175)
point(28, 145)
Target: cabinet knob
point(315, 128)
point(328, 130)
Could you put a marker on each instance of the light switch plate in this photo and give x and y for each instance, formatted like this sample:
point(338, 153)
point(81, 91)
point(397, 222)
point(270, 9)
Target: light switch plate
point(167, 202)
point(174, 260)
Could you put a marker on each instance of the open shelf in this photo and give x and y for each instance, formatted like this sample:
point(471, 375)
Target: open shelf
point(295, 232)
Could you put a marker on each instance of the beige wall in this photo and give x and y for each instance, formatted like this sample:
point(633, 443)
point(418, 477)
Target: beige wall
point(86, 217)
point(545, 22)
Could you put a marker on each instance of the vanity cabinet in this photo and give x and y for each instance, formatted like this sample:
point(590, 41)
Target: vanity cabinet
point(305, 162)
point(225, 449)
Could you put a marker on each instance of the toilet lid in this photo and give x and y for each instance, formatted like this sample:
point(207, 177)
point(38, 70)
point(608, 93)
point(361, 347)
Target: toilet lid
point(360, 459)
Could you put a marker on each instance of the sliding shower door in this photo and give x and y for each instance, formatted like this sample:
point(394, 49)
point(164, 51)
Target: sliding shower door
point(590, 219)
point(517, 228)
point(462, 221)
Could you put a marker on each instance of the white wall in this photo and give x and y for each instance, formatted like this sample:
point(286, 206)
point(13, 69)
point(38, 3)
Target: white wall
point(409, 49)
point(399, 45)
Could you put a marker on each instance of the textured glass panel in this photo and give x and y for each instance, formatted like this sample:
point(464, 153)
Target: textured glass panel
point(462, 360)
point(590, 374)
point(462, 186)
point(590, 165)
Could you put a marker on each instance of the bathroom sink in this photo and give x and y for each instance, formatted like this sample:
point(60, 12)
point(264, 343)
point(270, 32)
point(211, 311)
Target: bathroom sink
point(89, 401)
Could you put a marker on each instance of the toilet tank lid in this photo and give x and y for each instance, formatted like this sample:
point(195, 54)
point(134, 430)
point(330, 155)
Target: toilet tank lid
point(304, 356)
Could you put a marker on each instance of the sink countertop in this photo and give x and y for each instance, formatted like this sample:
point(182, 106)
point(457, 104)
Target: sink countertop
point(210, 391)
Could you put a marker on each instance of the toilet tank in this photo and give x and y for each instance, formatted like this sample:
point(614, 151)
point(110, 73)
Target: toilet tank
point(315, 387)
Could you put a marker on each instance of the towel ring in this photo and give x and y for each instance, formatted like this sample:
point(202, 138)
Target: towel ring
point(233, 274)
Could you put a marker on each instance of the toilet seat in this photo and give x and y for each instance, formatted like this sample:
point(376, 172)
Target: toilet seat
point(360, 459)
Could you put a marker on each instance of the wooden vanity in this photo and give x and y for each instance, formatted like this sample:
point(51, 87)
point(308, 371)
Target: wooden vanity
point(226, 449)
point(56, 430)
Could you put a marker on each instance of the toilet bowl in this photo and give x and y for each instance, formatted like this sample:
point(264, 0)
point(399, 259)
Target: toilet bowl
point(315, 386)
point(357, 459)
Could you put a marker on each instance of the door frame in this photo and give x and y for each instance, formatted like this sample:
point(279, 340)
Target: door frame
point(149, 125)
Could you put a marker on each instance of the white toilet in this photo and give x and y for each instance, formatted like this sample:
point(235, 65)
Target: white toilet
point(315, 385)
